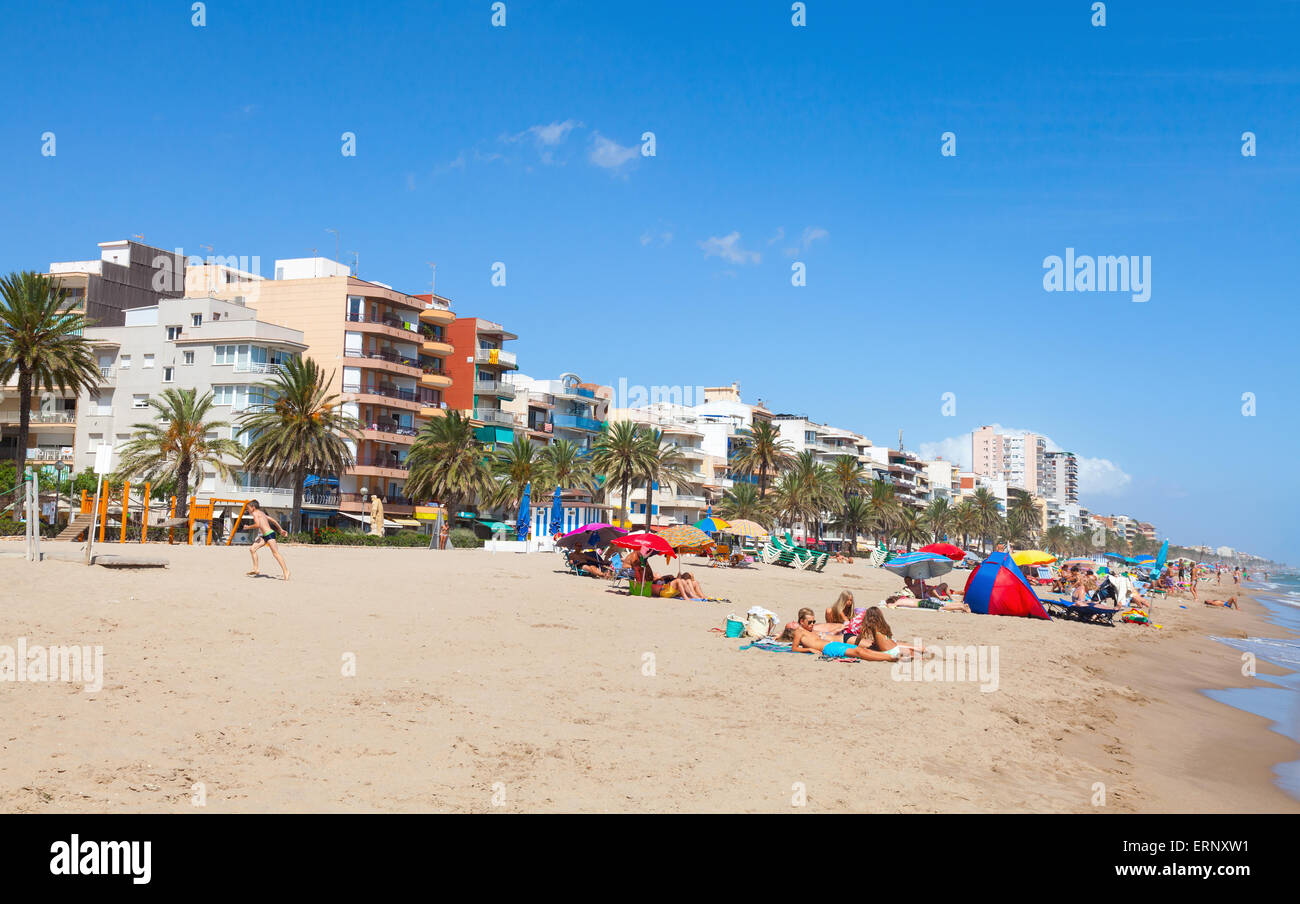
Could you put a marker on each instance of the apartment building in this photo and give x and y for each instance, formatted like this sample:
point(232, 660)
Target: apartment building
point(1019, 459)
point(724, 419)
point(204, 344)
point(944, 479)
point(565, 408)
point(477, 367)
point(680, 502)
point(1060, 477)
point(386, 354)
point(126, 275)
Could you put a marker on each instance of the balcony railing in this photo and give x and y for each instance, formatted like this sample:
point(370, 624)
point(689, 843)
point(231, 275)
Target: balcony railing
point(494, 416)
point(48, 454)
point(494, 387)
point(320, 497)
point(258, 368)
point(389, 320)
point(41, 417)
point(576, 422)
point(389, 392)
point(397, 429)
point(389, 499)
point(390, 357)
point(106, 373)
point(379, 461)
point(495, 356)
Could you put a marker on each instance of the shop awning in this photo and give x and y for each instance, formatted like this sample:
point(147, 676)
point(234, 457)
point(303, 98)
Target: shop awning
point(365, 519)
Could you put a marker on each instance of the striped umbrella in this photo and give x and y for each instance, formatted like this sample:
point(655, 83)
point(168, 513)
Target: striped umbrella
point(712, 525)
point(920, 565)
point(745, 528)
point(685, 536)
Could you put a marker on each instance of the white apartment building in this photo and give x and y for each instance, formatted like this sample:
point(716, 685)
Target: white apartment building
point(565, 408)
point(1019, 459)
point(204, 344)
point(683, 502)
point(1060, 477)
point(945, 479)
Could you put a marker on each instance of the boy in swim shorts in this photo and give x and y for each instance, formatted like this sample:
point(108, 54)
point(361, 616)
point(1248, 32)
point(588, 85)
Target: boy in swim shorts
point(265, 537)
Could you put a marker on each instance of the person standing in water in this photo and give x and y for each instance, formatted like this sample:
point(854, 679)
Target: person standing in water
point(265, 537)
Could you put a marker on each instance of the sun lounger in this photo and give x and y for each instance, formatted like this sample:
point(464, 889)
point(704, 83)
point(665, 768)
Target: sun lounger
point(1094, 615)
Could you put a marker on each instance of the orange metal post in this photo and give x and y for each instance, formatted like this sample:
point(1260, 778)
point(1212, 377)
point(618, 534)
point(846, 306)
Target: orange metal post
point(85, 504)
point(171, 513)
point(144, 517)
point(103, 512)
point(126, 505)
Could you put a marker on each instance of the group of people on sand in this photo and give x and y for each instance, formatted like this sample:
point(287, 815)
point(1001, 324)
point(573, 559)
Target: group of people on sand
point(847, 634)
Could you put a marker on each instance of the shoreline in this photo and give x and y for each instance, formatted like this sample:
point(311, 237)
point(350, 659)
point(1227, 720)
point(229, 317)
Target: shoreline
point(475, 670)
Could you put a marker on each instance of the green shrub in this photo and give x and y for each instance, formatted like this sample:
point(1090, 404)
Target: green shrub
point(11, 528)
point(464, 538)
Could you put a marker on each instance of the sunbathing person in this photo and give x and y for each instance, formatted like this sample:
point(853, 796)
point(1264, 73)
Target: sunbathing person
point(904, 601)
point(805, 640)
point(878, 637)
point(590, 562)
point(690, 587)
point(922, 590)
point(841, 610)
point(1229, 603)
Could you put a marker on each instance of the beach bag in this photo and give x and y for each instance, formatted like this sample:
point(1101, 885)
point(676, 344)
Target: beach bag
point(758, 625)
point(735, 627)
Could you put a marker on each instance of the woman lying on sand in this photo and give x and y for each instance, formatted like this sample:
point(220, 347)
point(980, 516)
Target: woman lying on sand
point(1229, 603)
point(903, 601)
point(805, 640)
point(877, 635)
point(922, 590)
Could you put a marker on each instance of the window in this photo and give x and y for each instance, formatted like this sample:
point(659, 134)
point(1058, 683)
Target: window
point(124, 362)
point(168, 374)
point(223, 354)
point(188, 358)
point(173, 333)
point(148, 360)
point(234, 396)
point(140, 400)
point(196, 319)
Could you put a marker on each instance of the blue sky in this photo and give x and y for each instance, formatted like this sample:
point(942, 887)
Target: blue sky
point(775, 144)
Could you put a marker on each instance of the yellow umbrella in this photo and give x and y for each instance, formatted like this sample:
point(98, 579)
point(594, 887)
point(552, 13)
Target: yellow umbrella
point(1033, 557)
point(744, 528)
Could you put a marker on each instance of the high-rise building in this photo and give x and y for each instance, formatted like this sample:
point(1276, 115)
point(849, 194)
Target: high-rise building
point(1060, 477)
point(1018, 459)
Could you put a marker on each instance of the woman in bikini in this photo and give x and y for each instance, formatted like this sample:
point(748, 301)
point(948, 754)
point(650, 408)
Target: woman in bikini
point(805, 640)
point(1229, 603)
point(841, 610)
point(879, 637)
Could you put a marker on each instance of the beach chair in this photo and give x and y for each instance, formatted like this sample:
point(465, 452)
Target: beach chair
point(1092, 615)
point(780, 554)
point(721, 556)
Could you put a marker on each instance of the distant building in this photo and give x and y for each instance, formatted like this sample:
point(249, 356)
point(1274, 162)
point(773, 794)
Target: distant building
point(1060, 472)
point(1020, 460)
point(126, 275)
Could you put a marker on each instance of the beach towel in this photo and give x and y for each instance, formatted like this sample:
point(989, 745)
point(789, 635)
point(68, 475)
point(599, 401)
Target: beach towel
point(771, 646)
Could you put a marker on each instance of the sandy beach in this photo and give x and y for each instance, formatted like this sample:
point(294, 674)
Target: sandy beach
point(482, 676)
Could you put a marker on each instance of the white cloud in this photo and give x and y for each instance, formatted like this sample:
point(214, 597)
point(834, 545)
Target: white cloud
point(814, 234)
point(610, 154)
point(780, 234)
point(1097, 476)
point(555, 133)
point(728, 248)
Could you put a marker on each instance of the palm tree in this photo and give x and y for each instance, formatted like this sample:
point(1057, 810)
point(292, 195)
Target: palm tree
point(762, 451)
point(171, 446)
point(299, 428)
point(516, 467)
point(660, 463)
point(939, 518)
point(988, 511)
point(855, 518)
point(1024, 512)
point(816, 490)
point(885, 509)
point(847, 473)
point(41, 341)
point(448, 463)
point(566, 464)
point(619, 453)
point(965, 520)
point(1056, 539)
point(787, 499)
point(911, 527)
point(742, 501)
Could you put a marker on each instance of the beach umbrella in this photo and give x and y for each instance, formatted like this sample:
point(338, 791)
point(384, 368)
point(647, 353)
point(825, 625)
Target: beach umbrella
point(745, 528)
point(955, 553)
point(557, 513)
point(919, 565)
point(593, 536)
point(997, 587)
point(646, 544)
point(685, 536)
point(1083, 564)
point(521, 526)
point(1031, 557)
point(711, 525)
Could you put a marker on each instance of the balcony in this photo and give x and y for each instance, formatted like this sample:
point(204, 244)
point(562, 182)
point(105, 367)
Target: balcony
point(495, 356)
point(393, 505)
point(378, 355)
point(50, 454)
point(106, 374)
point(379, 465)
point(385, 325)
point(494, 387)
point(388, 433)
point(437, 315)
point(576, 422)
point(411, 397)
point(46, 418)
point(258, 368)
point(493, 416)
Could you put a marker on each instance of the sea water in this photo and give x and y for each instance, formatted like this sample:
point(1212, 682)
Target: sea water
point(1277, 697)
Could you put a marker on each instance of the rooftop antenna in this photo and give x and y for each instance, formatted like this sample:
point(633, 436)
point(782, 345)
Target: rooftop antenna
point(900, 440)
point(356, 264)
point(433, 281)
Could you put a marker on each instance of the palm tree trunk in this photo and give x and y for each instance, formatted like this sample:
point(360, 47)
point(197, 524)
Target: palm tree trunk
point(627, 503)
point(183, 489)
point(649, 502)
point(299, 476)
point(24, 428)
